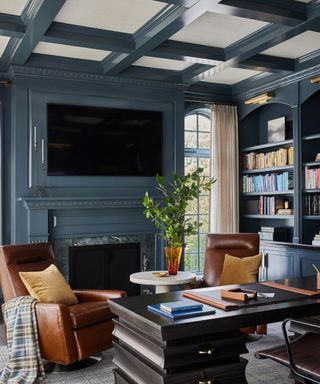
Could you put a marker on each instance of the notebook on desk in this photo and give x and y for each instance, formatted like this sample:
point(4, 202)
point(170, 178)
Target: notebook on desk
point(204, 310)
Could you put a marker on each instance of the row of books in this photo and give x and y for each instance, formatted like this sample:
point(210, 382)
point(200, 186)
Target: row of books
point(274, 233)
point(268, 183)
point(279, 158)
point(312, 205)
point(316, 239)
point(268, 205)
point(312, 176)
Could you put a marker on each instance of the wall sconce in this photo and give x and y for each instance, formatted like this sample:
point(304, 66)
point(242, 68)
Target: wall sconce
point(315, 80)
point(260, 99)
point(6, 83)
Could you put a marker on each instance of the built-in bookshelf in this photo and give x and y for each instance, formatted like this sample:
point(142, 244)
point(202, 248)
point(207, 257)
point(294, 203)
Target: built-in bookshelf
point(310, 132)
point(267, 174)
point(262, 162)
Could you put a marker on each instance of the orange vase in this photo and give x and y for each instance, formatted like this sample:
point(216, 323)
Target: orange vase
point(173, 255)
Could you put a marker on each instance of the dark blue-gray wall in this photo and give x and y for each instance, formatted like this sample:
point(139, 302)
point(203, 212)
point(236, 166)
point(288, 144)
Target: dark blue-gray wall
point(38, 206)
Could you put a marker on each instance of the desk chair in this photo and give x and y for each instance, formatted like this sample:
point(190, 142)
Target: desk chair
point(218, 245)
point(67, 334)
point(301, 355)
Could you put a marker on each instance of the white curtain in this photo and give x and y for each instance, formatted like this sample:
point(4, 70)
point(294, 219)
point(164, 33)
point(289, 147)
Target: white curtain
point(224, 210)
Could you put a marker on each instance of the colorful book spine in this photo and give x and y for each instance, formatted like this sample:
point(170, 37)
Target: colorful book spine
point(268, 182)
point(279, 158)
point(312, 178)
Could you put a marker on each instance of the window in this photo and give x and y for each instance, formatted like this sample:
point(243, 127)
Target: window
point(197, 148)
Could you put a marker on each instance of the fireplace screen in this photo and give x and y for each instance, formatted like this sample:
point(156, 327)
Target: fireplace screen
point(106, 266)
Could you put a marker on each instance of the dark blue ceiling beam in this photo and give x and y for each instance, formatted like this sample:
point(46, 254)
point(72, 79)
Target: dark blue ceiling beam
point(193, 70)
point(145, 73)
point(43, 13)
point(195, 53)
point(202, 54)
point(312, 59)
point(266, 63)
point(64, 63)
point(286, 12)
point(153, 34)
point(68, 34)
point(11, 26)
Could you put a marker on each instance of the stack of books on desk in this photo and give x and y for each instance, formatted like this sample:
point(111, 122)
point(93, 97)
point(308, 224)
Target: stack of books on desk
point(181, 309)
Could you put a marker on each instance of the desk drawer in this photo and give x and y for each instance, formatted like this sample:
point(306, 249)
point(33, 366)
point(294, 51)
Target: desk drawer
point(140, 372)
point(175, 357)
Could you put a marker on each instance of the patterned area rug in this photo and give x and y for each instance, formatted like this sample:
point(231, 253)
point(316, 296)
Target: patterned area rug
point(258, 371)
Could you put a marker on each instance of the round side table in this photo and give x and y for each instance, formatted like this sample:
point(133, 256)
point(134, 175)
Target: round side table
point(162, 284)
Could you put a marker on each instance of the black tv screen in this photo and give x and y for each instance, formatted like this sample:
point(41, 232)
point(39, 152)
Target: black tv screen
point(99, 141)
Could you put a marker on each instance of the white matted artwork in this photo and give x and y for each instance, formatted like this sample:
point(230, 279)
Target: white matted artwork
point(277, 130)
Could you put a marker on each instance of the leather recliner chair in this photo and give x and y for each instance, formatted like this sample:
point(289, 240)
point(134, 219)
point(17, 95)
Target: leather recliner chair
point(66, 334)
point(218, 245)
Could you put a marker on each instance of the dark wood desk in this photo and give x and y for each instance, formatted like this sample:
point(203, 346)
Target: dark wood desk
point(153, 349)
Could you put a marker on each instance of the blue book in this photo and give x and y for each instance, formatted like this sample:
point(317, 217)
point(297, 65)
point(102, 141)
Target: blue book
point(181, 305)
point(205, 310)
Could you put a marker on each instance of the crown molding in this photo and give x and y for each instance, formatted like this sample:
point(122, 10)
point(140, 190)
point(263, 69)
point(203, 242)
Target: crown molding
point(91, 77)
point(279, 83)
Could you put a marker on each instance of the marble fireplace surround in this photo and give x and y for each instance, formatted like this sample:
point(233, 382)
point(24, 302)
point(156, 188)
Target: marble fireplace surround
point(147, 246)
point(43, 220)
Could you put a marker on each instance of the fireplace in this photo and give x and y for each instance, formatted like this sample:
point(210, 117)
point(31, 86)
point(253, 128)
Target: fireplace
point(143, 251)
point(106, 266)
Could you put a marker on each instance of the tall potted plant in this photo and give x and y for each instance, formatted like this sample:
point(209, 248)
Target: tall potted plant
point(168, 214)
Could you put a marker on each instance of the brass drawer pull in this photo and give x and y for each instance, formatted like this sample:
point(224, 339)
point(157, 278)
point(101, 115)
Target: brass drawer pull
point(208, 351)
point(206, 382)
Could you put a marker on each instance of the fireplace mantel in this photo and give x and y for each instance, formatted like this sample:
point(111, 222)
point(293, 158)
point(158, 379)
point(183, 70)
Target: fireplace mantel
point(31, 203)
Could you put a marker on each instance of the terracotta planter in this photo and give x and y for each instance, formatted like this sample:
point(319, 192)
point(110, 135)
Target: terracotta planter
point(173, 255)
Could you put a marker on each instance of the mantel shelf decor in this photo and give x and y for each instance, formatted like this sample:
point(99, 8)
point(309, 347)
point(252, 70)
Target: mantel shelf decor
point(168, 214)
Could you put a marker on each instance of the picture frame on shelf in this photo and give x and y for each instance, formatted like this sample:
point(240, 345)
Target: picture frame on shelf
point(277, 130)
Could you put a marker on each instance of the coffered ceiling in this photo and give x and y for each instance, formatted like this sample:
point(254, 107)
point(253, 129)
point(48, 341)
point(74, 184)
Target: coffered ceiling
point(210, 43)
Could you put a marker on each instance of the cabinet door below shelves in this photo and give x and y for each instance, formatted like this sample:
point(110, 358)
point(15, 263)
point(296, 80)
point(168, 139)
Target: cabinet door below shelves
point(305, 263)
point(279, 263)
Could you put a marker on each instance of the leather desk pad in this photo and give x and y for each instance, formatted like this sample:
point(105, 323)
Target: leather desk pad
point(212, 296)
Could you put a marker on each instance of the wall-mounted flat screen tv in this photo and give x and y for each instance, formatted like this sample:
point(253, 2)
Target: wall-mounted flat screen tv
point(99, 141)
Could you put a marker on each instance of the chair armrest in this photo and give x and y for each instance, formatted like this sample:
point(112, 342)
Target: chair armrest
point(312, 328)
point(85, 295)
point(56, 336)
point(197, 283)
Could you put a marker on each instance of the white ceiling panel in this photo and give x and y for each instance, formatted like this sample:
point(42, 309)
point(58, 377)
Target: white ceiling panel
point(3, 44)
point(70, 51)
point(297, 46)
point(231, 76)
point(216, 30)
point(13, 7)
point(115, 15)
point(155, 62)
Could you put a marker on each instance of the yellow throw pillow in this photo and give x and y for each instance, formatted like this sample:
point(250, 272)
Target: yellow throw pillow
point(48, 286)
point(240, 270)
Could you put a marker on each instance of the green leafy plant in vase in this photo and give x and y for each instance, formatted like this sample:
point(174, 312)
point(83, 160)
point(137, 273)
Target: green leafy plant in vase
point(169, 212)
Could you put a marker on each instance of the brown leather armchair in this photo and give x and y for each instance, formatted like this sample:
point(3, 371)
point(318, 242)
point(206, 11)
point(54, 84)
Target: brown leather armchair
point(218, 244)
point(66, 334)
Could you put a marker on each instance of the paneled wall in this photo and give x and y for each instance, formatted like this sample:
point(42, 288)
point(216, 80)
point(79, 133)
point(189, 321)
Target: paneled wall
point(39, 206)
